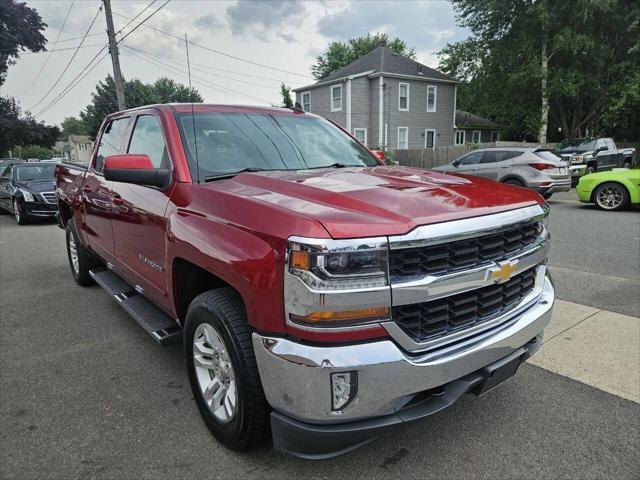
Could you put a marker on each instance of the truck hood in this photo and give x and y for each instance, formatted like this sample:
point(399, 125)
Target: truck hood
point(357, 202)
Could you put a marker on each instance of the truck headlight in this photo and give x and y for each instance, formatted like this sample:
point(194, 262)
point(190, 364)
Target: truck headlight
point(577, 159)
point(339, 264)
point(28, 196)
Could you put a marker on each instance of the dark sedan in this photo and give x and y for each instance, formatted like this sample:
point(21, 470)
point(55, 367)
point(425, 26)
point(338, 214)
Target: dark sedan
point(27, 190)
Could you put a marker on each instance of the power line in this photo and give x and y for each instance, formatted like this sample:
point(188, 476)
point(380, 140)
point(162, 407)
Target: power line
point(134, 18)
point(76, 80)
point(202, 81)
point(65, 48)
point(143, 21)
point(70, 60)
point(199, 69)
point(49, 56)
point(218, 51)
point(78, 37)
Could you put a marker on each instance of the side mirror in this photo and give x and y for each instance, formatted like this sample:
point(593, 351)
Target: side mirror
point(379, 155)
point(456, 163)
point(136, 169)
point(600, 149)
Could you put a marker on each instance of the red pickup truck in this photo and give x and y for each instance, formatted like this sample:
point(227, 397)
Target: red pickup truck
point(314, 288)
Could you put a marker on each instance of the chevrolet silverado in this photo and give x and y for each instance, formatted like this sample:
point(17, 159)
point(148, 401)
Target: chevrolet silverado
point(315, 289)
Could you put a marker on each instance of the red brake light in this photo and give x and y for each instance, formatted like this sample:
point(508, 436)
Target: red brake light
point(542, 166)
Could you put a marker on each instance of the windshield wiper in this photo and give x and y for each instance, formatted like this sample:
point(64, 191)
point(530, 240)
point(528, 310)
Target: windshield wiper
point(221, 176)
point(335, 165)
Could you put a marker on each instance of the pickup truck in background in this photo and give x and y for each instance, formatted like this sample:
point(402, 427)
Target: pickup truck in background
point(590, 155)
point(313, 287)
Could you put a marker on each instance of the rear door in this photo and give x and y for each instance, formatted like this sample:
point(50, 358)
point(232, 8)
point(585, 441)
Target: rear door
point(96, 191)
point(139, 222)
point(495, 163)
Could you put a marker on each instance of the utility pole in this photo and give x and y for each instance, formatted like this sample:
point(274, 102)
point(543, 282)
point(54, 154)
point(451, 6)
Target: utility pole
point(113, 49)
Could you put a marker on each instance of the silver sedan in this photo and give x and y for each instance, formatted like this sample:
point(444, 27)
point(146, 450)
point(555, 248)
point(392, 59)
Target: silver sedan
point(532, 168)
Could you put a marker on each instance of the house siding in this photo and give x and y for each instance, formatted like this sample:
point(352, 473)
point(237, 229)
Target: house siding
point(321, 102)
point(417, 119)
point(361, 107)
point(485, 135)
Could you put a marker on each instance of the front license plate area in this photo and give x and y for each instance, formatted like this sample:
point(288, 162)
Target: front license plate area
point(496, 373)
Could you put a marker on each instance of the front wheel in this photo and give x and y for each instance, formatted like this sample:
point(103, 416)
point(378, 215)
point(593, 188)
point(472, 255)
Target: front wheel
point(18, 213)
point(611, 196)
point(222, 369)
point(590, 169)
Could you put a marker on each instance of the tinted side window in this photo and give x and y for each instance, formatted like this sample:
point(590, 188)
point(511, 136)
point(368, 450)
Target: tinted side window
point(147, 139)
point(471, 159)
point(111, 141)
point(600, 144)
point(6, 172)
point(491, 157)
point(610, 144)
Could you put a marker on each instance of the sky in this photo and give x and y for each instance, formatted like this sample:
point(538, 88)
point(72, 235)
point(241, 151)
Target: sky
point(236, 43)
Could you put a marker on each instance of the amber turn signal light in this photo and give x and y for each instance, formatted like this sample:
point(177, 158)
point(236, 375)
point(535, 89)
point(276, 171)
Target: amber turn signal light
point(299, 260)
point(364, 314)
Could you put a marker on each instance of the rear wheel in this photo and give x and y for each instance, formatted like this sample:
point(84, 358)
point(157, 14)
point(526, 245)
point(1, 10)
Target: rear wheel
point(222, 369)
point(611, 196)
point(513, 181)
point(80, 259)
point(18, 212)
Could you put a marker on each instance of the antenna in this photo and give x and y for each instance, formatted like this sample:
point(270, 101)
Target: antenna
point(193, 117)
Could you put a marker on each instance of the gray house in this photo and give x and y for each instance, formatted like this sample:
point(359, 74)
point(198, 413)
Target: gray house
point(386, 100)
point(474, 129)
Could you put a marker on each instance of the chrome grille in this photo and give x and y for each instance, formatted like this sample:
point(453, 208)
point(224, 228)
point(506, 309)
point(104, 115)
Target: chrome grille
point(462, 254)
point(427, 320)
point(49, 197)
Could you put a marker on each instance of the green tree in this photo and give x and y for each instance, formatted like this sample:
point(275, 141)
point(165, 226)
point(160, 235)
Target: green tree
point(170, 91)
point(20, 29)
point(285, 91)
point(340, 54)
point(103, 100)
point(73, 126)
point(36, 151)
point(540, 66)
point(22, 130)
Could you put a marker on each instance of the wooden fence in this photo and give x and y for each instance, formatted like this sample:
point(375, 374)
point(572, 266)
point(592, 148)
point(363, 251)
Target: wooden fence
point(432, 157)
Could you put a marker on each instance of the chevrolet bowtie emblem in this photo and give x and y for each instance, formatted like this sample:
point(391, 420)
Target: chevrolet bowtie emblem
point(503, 271)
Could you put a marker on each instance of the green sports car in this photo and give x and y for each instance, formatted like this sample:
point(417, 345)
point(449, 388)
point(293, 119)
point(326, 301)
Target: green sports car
point(612, 190)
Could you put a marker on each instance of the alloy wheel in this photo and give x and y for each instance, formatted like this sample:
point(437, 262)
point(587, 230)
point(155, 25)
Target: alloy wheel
point(610, 198)
point(215, 374)
point(16, 210)
point(73, 254)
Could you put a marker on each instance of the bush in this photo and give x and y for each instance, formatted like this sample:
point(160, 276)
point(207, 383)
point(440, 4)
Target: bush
point(34, 151)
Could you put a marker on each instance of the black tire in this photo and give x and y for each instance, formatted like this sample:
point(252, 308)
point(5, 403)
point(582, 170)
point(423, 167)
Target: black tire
point(615, 191)
point(224, 310)
point(86, 261)
point(18, 212)
point(547, 196)
point(513, 181)
point(627, 163)
point(590, 169)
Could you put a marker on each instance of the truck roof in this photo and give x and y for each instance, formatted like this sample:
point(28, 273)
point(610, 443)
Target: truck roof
point(210, 107)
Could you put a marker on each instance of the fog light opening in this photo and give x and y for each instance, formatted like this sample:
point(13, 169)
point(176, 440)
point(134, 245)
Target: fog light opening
point(344, 387)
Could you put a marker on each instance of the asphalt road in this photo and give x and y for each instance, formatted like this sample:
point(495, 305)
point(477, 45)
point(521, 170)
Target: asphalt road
point(84, 393)
point(595, 255)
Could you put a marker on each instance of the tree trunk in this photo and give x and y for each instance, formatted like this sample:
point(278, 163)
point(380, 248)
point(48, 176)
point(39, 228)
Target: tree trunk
point(544, 113)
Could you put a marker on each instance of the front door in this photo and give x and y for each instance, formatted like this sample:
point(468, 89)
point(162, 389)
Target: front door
point(139, 224)
point(97, 194)
point(468, 164)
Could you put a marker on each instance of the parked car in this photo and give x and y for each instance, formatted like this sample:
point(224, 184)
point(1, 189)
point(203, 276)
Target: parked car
point(533, 168)
point(590, 155)
point(4, 162)
point(27, 191)
point(318, 291)
point(612, 190)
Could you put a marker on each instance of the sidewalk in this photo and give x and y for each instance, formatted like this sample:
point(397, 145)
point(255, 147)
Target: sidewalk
point(596, 347)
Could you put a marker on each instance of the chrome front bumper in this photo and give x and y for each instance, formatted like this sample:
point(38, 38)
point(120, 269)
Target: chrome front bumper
point(296, 377)
point(577, 170)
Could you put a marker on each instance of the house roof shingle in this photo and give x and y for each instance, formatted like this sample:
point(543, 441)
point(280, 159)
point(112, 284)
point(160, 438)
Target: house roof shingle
point(381, 59)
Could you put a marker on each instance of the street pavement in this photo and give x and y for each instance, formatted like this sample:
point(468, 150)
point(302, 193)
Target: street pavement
point(85, 393)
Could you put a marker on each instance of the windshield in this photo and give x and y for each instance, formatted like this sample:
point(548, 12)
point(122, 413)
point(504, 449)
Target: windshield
point(27, 173)
point(231, 142)
point(576, 145)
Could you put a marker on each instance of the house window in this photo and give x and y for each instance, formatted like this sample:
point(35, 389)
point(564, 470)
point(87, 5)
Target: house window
point(429, 138)
point(495, 136)
point(460, 137)
point(432, 98)
point(306, 101)
point(403, 97)
point(336, 98)
point(403, 138)
point(361, 135)
point(475, 137)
